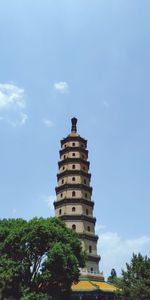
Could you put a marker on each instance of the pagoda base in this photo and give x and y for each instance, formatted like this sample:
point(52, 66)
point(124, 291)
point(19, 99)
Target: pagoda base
point(92, 287)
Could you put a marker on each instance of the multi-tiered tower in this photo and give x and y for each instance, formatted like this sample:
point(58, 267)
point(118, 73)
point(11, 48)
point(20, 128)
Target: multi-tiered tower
point(73, 203)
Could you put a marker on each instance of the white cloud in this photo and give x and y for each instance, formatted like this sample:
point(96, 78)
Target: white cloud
point(50, 200)
point(24, 118)
point(12, 104)
point(48, 123)
point(11, 95)
point(99, 227)
point(61, 87)
point(116, 251)
point(20, 121)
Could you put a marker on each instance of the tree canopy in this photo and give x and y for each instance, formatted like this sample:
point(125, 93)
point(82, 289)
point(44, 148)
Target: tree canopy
point(134, 284)
point(112, 277)
point(40, 256)
point(136, 279)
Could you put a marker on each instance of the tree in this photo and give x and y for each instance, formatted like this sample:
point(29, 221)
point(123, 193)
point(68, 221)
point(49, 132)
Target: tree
point(115, 281)
point(136, 279)
point(112, 276)
point(38, 256)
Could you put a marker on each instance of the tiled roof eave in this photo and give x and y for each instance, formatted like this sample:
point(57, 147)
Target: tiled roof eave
point(95, 288)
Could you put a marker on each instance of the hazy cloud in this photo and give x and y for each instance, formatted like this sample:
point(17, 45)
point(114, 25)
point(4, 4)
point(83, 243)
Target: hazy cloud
point(106, 104)
point(20, 121)
point(48, 123)
point(14, 211)
point(12, 104)
point(116, 251)
point(61, 87)
point(50, 200)
point(99, 227)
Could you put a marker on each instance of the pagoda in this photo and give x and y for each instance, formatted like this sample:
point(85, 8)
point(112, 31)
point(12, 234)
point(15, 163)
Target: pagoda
point(74, 204)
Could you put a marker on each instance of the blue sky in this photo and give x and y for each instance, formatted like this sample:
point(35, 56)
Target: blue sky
point(89, 59)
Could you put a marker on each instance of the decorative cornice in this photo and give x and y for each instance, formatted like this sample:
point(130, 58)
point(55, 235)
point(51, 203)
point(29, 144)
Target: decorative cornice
point(70, 186)
point(74, 149)
point(73, 201)
point(95, 258)
point(73, 161)
point(72, 173)
point(78, 218)
point(73, 139)
point(85, 236)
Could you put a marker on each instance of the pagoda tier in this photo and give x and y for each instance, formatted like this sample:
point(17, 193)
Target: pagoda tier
point(73, 192)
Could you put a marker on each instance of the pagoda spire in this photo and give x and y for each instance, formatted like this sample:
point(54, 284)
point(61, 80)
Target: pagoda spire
point(74, 125)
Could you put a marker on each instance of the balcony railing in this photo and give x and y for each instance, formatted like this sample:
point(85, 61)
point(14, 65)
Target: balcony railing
point(89, 272)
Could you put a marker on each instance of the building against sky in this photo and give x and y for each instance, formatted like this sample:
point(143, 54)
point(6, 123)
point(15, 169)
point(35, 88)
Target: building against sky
point(74, 205)
point(74, 202)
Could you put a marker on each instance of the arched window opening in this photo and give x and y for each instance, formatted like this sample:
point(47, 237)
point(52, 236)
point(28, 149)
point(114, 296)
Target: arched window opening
point(73, 179)
point(88, 228)
point(73, 166)
point(61, 195)
point(64, 156)
point(62, 181)
point(86, 195)
point(73, 209)
point(60, 211)
point(73, 154)
point(87, 211)
point(73, 193)
point(74, 227)
point(90, 249)
point(91, 270)
point(73, 144)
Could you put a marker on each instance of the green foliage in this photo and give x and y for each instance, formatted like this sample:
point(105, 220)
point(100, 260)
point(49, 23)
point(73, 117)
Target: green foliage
point(27, 295)
point(37, 256)
point(136, 279)
point(112, 276)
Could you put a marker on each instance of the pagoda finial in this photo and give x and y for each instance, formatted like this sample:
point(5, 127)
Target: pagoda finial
point(74, 124)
